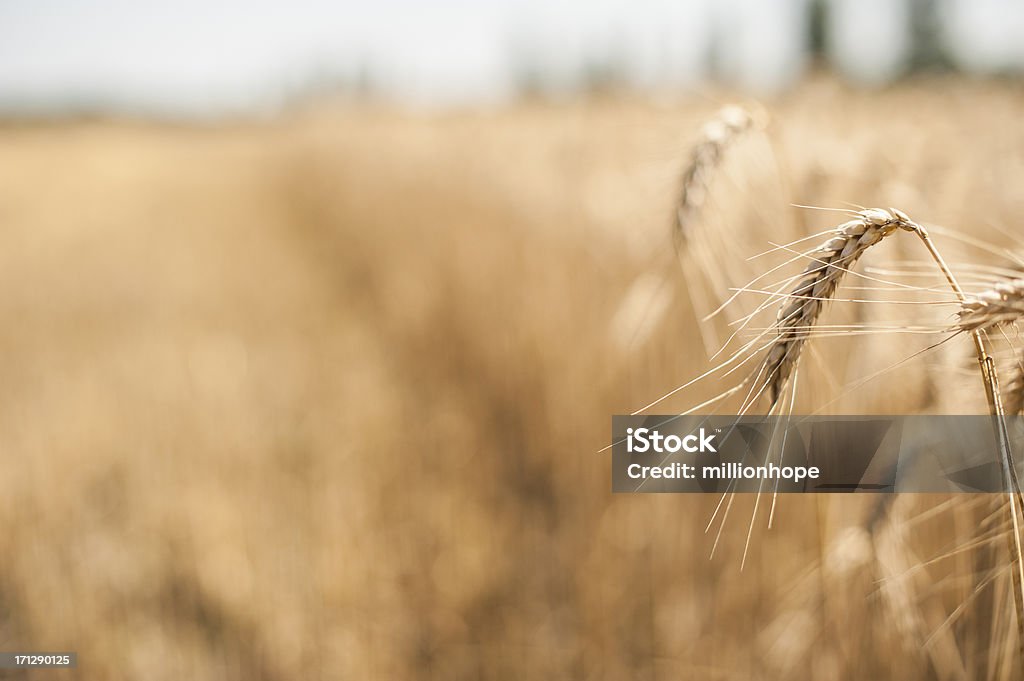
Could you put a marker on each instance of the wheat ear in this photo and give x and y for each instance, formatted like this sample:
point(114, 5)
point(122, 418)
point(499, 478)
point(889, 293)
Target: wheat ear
point(706, 155)
point(816, 285)
point(1001, 305)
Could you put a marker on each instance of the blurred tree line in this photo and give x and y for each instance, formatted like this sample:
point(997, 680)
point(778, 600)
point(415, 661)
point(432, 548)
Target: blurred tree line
point(606, 69)
point(927, 53)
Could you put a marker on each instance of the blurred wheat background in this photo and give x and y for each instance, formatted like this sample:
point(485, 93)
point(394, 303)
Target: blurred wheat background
point(319, 395)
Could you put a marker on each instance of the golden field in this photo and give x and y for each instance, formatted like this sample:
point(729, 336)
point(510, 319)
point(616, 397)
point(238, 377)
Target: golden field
point(320, 397)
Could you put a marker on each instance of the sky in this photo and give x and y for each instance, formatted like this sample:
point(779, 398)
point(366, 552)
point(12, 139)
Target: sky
point(217, 55)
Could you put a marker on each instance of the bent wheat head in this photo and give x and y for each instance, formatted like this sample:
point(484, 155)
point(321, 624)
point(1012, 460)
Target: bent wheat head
point(817, 284)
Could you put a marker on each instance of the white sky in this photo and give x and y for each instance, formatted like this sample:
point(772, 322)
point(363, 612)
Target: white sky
point(209, 55)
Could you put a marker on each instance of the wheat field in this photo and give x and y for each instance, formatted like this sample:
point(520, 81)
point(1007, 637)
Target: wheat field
point(321, 396)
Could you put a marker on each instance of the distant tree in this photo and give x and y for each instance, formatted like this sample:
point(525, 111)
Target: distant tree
point(714, 53)
point(603, 73)
point(817, 30)
point(327, 81)
point(928, 50)
point(530, 81)
point(532, 77)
